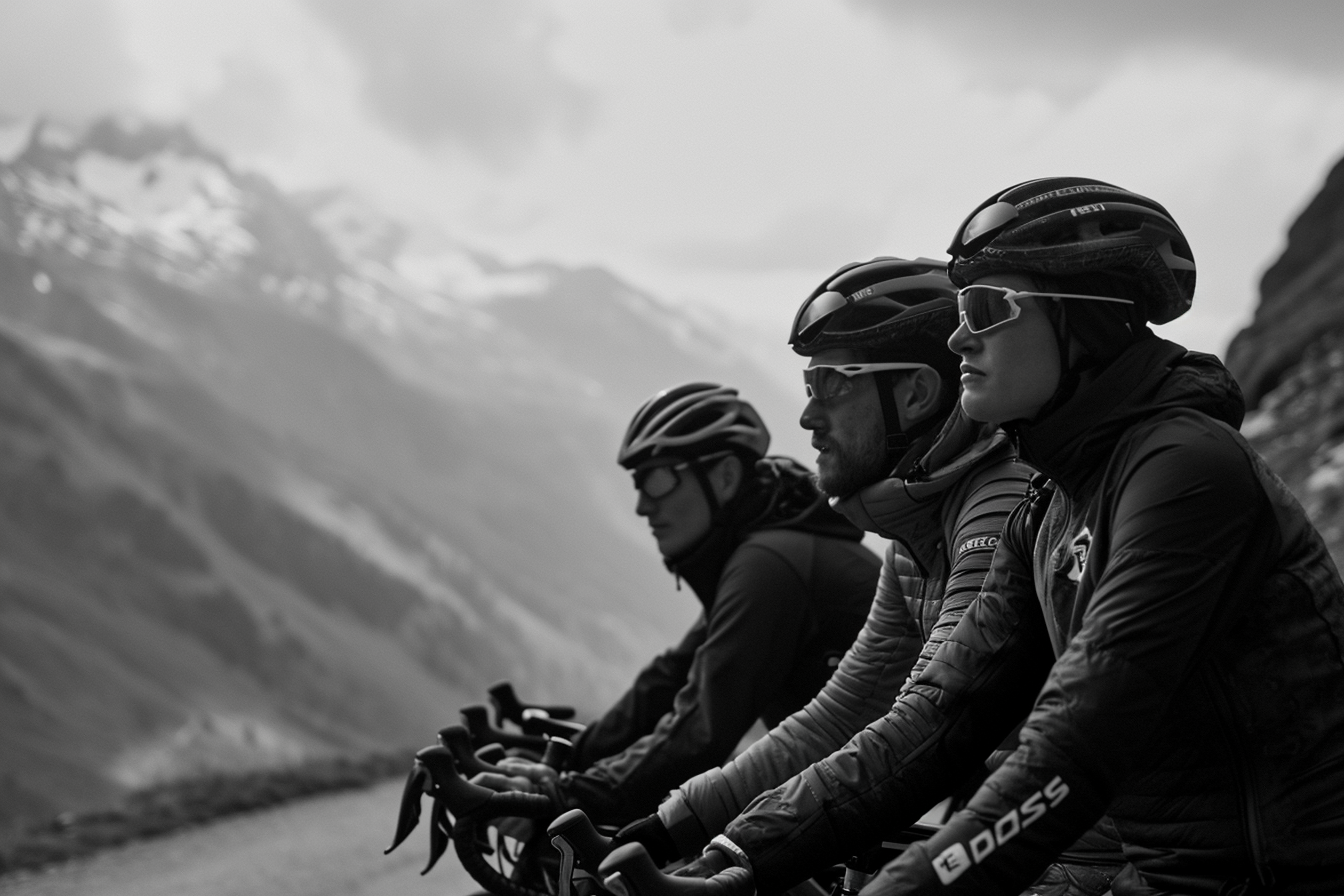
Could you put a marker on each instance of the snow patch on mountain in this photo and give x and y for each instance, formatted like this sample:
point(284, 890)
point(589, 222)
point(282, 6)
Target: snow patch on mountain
point(189, 206)
point(459, 274)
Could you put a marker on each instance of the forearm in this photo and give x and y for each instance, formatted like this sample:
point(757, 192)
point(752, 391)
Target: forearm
point(862, 689)
point(973, 692)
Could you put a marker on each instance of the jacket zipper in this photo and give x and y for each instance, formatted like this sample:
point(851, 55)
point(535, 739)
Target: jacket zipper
point(1245, 786)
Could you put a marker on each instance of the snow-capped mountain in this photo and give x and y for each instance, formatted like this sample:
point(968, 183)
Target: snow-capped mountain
point(282, 475)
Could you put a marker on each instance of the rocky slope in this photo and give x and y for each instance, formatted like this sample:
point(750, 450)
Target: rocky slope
point(1290, 362)
point(281, 477)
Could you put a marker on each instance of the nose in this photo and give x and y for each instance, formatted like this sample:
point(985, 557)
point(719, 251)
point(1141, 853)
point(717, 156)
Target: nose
point(812, 416)
point(643, 504)
point(961, 339)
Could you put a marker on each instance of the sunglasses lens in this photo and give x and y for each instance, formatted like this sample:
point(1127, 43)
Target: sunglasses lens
point(825, 384)
point(657, 482)
point(983, 307)
point(812, 316)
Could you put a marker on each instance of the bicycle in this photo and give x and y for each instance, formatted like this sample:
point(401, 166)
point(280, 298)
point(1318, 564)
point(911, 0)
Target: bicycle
point(478, 820)
point(571, 856)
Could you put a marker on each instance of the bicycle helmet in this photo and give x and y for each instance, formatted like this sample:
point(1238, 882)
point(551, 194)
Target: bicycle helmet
point(1063, 227)
point(887, 309)
point(693, 420)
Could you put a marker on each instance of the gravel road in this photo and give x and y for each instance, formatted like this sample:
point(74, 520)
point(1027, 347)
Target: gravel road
point(323, 846)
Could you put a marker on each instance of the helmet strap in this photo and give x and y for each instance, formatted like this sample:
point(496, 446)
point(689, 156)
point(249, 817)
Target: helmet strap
point(898, 442)
point(703, 478)
point(1070, 372)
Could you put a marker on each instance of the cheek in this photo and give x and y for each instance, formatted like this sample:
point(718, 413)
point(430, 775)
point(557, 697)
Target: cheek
point(858, 429)
point(688, 507)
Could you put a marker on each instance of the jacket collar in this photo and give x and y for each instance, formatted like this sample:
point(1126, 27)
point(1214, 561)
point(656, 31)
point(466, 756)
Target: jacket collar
point(780, 494)
point(909, 510)
point(1073, 442)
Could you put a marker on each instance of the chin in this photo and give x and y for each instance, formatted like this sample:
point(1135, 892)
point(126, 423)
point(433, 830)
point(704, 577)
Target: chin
point(828, 479)
point(978, 411)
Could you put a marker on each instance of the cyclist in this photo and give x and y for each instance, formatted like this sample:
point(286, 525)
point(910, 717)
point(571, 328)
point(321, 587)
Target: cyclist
point(901, 459)
point(784, 580)
point(1161, 605)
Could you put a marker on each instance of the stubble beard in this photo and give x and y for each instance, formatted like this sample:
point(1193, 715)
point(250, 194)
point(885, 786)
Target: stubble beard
point(843, 470)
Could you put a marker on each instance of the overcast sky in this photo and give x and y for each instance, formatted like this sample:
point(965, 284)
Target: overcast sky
point(730, 153)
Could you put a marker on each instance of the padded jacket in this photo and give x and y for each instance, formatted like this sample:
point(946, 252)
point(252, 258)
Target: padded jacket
point(785, 584)
point(1172, 622)
point(943, 527)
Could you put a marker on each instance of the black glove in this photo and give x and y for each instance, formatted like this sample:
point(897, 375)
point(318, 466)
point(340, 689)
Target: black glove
point(652, 834)
point(708, 864)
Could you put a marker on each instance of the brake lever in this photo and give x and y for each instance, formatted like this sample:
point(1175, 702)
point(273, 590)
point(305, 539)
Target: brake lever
point(580, 846)
point(457, 740)
point(408, 815)
point(509, 708)
point(440, 833)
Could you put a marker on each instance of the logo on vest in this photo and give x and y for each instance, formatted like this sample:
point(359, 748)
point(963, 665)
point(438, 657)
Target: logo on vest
point(983, 543)
point(958, 858)
point(1078, 551)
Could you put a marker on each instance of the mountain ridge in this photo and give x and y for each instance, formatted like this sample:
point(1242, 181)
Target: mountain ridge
point(270, 496)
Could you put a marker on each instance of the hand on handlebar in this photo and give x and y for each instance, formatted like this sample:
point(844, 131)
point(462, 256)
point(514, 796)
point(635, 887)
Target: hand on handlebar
point(651, 833)
point(630, 871)
point(706, 865)
point(523, 775)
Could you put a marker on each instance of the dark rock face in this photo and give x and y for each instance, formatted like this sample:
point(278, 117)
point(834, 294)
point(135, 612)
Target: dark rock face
point(1290, 362)
point(1301, 296)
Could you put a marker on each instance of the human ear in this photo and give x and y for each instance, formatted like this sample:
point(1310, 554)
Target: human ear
point(922, 395)
point(726, 477)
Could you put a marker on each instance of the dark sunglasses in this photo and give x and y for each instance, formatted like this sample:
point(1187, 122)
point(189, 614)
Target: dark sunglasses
point(662, 480)
point(984, 307)
point(827, 382)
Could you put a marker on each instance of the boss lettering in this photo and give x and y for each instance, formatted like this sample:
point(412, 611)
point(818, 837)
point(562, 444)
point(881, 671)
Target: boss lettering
point(954, 861)
point(982, 844)
point(1055, 791)
point(1032, 809)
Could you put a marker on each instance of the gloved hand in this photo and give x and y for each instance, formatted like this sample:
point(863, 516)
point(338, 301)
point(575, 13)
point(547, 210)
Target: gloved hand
point(523, 775)
point(527, 777)
point(707, 864)
point(652, 834)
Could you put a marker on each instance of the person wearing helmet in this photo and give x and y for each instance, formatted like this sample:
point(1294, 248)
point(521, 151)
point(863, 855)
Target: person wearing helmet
point(1160, 606)
point(899, 458)
point(784, 581)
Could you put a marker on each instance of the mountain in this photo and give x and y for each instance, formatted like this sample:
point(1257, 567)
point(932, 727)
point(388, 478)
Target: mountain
point(281, 476)
point(1290, 362)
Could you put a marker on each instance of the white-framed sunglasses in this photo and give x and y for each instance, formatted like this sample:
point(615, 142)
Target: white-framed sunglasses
point(983, 307)
point(826, 382)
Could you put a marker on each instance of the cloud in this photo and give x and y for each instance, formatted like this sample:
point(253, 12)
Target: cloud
point(250, 109)
point(693, 17)
point(814, 239)
point(1066, 47)
point(478, 74)
point(63, 59)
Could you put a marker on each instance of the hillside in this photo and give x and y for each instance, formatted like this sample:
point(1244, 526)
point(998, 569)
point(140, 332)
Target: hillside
point(283, 478)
